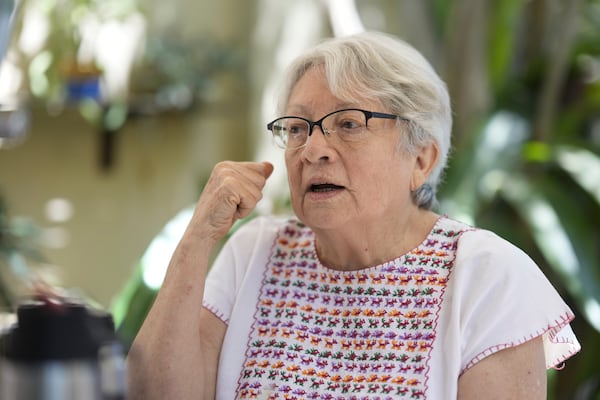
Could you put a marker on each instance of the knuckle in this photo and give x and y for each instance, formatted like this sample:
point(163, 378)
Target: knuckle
point(229, 182)
point(223, 167)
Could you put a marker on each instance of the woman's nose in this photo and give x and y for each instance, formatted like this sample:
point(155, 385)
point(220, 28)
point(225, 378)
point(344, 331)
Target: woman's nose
point(318, 146)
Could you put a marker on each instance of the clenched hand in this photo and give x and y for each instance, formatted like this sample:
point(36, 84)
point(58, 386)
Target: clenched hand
point(231, 193)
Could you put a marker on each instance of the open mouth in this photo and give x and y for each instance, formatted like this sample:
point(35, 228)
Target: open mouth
point(324, 187)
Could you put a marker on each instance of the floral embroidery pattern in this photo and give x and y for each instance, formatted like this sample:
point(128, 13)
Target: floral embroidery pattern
point(324, 334)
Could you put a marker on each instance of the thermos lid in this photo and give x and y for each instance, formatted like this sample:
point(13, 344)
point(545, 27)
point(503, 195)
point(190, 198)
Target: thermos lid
point(57, 331)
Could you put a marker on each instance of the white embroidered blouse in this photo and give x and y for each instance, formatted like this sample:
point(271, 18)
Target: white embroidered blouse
point(407, 328)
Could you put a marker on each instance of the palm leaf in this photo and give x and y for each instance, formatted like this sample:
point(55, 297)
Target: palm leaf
point(584, 167)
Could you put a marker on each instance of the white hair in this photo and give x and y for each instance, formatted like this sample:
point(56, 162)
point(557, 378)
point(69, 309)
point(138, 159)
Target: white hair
point(379, 67)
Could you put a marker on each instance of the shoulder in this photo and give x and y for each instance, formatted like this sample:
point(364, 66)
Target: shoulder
point(262, 224)
point(480, 248)
point(485, 263)
point(259, 231)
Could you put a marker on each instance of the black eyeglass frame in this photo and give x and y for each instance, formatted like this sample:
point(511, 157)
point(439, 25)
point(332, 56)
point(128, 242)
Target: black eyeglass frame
point(312, 124)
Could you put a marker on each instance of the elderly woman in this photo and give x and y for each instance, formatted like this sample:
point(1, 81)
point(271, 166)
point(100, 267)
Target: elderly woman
point(367, 293)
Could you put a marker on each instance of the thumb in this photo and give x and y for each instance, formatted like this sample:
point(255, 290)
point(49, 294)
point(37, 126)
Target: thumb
point(268, 170)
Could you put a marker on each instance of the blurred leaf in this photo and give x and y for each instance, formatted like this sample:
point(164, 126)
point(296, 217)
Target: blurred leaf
point(19, 252)
point(562, 233)
point(537, 151)
point(584, 167)
point(475, 172)
point(504, 16)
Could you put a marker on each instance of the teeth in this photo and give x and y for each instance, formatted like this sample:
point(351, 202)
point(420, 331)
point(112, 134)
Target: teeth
point(325, 187)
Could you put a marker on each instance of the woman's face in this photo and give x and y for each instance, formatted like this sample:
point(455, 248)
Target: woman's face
point(337, 185)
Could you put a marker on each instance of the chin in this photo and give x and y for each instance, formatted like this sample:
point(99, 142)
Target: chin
point(323, 219)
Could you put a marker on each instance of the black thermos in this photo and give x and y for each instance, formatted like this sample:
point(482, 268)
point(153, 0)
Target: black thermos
point(61, 351)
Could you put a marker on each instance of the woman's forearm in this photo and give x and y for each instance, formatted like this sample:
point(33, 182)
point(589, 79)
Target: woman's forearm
point(169, 344)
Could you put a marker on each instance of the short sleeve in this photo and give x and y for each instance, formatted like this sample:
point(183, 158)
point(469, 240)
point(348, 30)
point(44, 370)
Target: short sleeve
point(247, 249)
point(504, 300)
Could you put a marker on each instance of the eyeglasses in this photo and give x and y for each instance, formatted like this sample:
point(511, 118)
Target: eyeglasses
point(349, 125)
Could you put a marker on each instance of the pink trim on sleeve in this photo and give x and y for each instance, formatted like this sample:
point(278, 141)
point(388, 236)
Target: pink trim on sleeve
point(552, 338)
point(216, 312)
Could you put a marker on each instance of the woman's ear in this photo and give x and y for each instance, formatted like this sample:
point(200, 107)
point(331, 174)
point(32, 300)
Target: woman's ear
point(425, 160)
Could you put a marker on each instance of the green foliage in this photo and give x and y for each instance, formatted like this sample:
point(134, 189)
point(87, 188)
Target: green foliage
point(530, 170)
point(130, 307)
point(19, 251)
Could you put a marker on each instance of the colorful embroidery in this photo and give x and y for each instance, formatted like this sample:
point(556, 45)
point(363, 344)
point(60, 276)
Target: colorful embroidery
point(325, 334)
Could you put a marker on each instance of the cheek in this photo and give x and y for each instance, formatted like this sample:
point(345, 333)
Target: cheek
point(295, 191)
point(385, 179)
point(294, 176)
point(294, 184)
